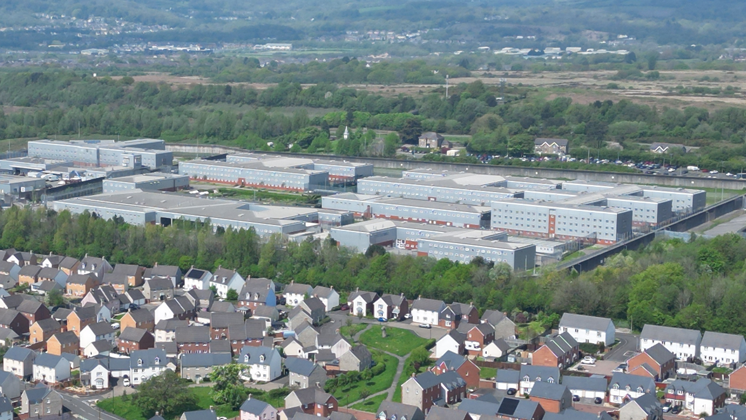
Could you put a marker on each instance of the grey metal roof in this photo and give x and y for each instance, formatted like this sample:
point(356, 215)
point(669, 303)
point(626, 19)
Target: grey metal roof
point(254, 406)
point(549, 391)
point(721, 340)
point(633, 381)
point(660, 354)
point(672, 334)
point(585, 383)
point(204, 359)
point(584, 322)
point(300, 366)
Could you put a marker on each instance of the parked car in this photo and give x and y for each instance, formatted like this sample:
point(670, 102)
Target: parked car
point(667, 407)
point(621, 368)
point(511, 391)
point(125, 381)
point(344, 307)
point(598, 400)
point(382, 319)
point(428, 326)
point(576, 397)
point(407, 316)
point(588, 360)
point(676, 409)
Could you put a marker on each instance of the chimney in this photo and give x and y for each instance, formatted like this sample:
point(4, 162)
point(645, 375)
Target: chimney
point(192, 265)
point(156, 264)
point(86, 255)
point(318, 385)
point(292, 281)
point(357, 290)
point(419, 297)
point(249, 397)
point(220, 266)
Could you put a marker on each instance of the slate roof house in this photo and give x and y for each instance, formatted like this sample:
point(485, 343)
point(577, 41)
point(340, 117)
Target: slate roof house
point(588, 329)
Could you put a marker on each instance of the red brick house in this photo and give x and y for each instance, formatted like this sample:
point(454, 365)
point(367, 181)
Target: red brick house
point(656, 362)
point(737, 380)
point(14, 320)
point(477, 338)
point(133, 339)
point(428, 389)
point(553, 398)
point(219, 323)
point(456, 313)
point(193, 339)
point(461, 365)
point(313, 401)
point(251, 333)
point(560, 351)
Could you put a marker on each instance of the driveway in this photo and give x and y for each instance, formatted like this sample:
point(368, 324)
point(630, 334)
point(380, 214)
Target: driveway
point(626, 348)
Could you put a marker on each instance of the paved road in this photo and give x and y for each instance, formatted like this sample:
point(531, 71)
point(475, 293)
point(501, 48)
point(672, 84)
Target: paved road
point(82, 408)
point(625, 349)
point(340, 318)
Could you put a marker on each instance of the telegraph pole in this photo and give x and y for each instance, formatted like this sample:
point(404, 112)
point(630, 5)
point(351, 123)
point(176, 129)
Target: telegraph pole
point(446, 87)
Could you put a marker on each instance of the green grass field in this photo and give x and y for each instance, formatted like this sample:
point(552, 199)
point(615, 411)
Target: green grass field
point(397, 341)
point(349, 331)
point(351, 393)
point(370, 405)
point(487, 372)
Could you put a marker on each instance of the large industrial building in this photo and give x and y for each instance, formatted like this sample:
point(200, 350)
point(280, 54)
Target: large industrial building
point(682, 199)
point(339, 170)
point(140, 208)
point(150, 153)
point(604, 225)
point(448, 214)
point(523, 183)
point(20, 185)
point(255, 174)
point(155, 181)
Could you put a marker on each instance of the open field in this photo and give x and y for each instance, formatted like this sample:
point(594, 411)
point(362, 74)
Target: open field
point(397, 341)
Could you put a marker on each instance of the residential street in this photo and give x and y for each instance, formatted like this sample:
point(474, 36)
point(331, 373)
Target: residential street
point(625, 349)
point(81, 407)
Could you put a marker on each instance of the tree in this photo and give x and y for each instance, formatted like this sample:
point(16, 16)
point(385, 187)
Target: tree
point(365, 393)
point(228, 388)
point(166, 394)
point(232, 295)
point(411, 131)
point(214, 290)
point(652, 60)
point(54, 298)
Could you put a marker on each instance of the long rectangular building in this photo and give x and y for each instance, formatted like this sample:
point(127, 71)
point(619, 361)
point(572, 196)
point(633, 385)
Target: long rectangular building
point(254, 174)
point(339, 170)
point(150, 153)
point(607, 225)
point(682, 199)
point(156, 181)
point(497, 181)
point(448, 214)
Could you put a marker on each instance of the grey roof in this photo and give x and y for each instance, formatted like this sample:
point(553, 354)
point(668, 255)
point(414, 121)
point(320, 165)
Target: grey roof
point(297, 288)
point(323, 292)
point(336, 415)
point(222, 276)
point(48, 324)
point(8, 315)
point(254, 406)
point(368, 297)
point(570, 414)
point(7, 266)
point(672, 334)
point(264, 311)
point(68, 262)
point(738, 411)
point(220, 346)
point(204, 359)
point(192, 334)
point(61, 313)
point(223, 320)
point(46, 286)
point(200, 415)
point(134, 295)
point(48, 273)
point(30, 270)
point(79, 278)
point(549, 391)
point(542, 372)
point(314, 304)
point(171, 324)
point(101, 328)
point(660, 354)
point(168, 346)
point(501, 344)
point(440, 413)
point(141, 315)
point(67, 337)
point(702, 388)
point(160, 283)
point(250, 330)
point(102, 345)
point(255, 355)
point(224, 307)
point(721, 340)
point(393, 300)
point(300, 366)
point(163, 270)
point(48, 360)
point(400, 410)
point(633, 381)
point(479, 407)
point(647, 402)
point(29, 306)
point(19, 353)
point(86, 312)
point(128, 269)
point(5, 405)
point(562, 344)
point(195, 273)
point(508, 376)
point(450, 361)
point(311, 395)
point(116, 278)
point(560, 142)
point(585, 383)
point(133, 334)
point(360, 352)
point(149, 357)
point(428, 304)
point(260, 285)
point(584, 322)
point(36, 395)
point(519, 409)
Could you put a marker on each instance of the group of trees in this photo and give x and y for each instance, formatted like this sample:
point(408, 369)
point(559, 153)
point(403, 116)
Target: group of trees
point(700, 284)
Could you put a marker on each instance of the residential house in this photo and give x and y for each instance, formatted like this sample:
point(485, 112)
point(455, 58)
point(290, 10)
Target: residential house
point(118, 281)
point(550, 146)
point(441, 413)
point(50, 261)
point(201, 299)
point(390, 306)
point(291, 347)
point(263, 363)
point(295, 293)
point(478, 337)
point(180, 307)
point(624, 386)
point(426, 311)
point(43, 330)
point(330, 339)
point(224, 280)
point(98, 348)
point(78, 285)
point(392, 410)
point(702, 396)
point(456, 313)
point(133, 272)
point(64, 342)
point(94, 373)
point(132, 298)
point(361, 302)
point(478, 409)
point(453, 342)
point(134, 338)
point(145, 364)
point(516, 409)
point(572, 414)
point(94, 266)
point(41, 401)
point(193, 339)
point(588, 329)
point(504, 327)
point(683, 343)
point(6, 283)
point(197, 279)
point(139, 318)
point(737, 381)
point(158, 289)
point(427, 389)
point(251, 333)
point(268, 314)
point(10, 385)
point(312, 401)
point(199, 415)
point(23, 259)
point(165, 330)
point(69, 265)
point(14, 320)
point(303, 373)
point(722, 349)
point(328, 296)
point(257, 292)
point(253, 409)
point(430, 140)
point(11, 269)
point(586, 387)
point(33, 310)
point(197, 367)
point(19, 361)
point(96, 332)
point(81, 317)
point(655, 362)
point(29, 274)
point(72, 359)
point(44, 287)
point(561, 350)
point(315, 308)
point(644, 407)
point(495, 349)
point(219, 323)
point(506, 379)
point(356, 359)
point(51, 368)
point(54, 275)
point(531, 374)
point(168, 271)
point(553, 398)
point(459, 364)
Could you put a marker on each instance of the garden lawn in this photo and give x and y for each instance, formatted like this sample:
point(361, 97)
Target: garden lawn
point(351, 393)
point(204, 401)
point(371, 404)
point(398, 341)
point(128, 410)
point(487, 372)
point(350, 331)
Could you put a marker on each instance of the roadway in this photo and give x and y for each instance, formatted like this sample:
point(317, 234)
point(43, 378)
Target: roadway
point(626, 348)
point(80, 406)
